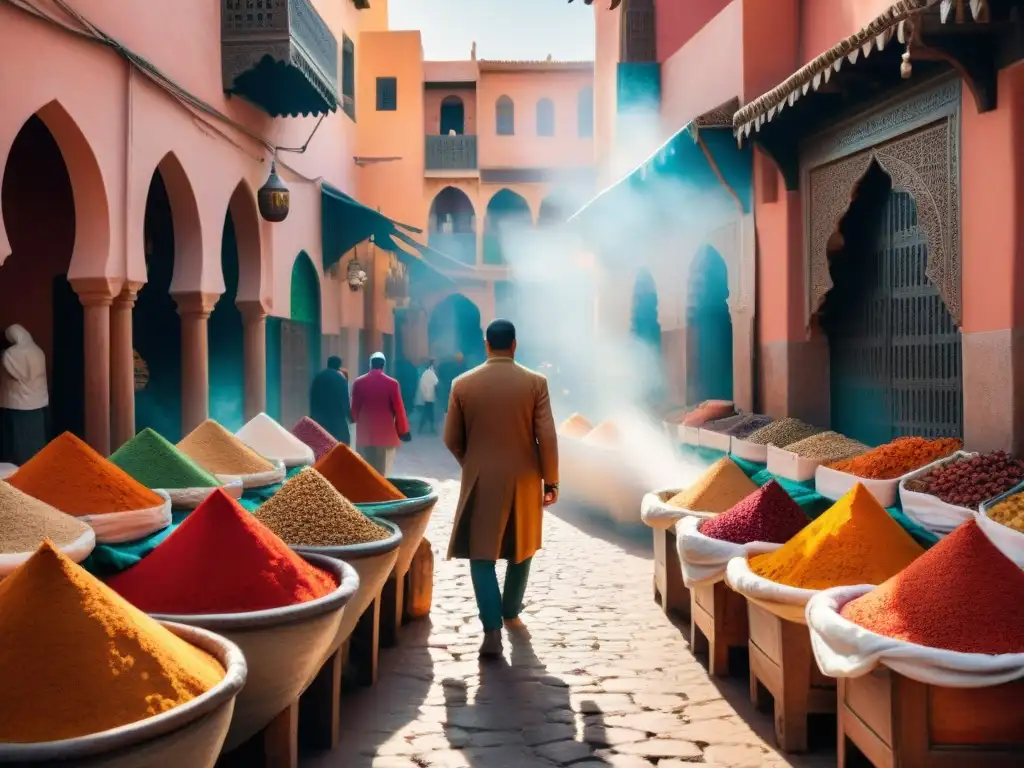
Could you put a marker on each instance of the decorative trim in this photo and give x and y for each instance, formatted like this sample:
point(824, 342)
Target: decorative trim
point(916, 141)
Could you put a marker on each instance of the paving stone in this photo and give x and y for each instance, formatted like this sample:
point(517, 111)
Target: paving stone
point(656, 748)
point(735, 756)
point(564, 752)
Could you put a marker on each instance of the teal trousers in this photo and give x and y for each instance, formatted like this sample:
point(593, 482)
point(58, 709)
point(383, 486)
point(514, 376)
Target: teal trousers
point(494, 606)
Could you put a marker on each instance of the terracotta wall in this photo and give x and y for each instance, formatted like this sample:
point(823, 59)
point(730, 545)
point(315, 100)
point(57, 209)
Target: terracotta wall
point(676, 22)
point(823, 23)
point(606, 59)
point(432, 108)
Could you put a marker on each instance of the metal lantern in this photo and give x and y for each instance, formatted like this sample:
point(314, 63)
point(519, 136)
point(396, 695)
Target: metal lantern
point(396, 287)
point(356, 275)
point(273, 198)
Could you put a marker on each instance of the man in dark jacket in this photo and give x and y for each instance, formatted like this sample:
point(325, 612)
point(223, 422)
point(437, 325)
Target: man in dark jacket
point(329, 400)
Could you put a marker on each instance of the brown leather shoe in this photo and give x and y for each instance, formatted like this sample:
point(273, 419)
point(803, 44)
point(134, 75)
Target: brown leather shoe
point(491, 648)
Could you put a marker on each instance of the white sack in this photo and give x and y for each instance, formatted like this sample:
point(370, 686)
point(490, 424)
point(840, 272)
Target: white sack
point(190, 498)
point(704, 559)
point(783, 601)
point(258, 479)
point(931, 511)
point(119, 527)
point(844, 649)
point(833, 485)
point(1006, 539)
point(656, 512)
point(77, 551)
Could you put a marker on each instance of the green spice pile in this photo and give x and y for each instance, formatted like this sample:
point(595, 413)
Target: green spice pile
point(309, 512)
point(157, 463)
point(25, 522)
point(827, 446)
point(782, 433)
point(967, 481)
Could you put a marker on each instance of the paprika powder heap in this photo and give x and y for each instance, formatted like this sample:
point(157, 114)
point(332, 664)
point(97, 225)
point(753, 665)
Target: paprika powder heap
point(961, 595)
point(769, 514)
point(76, 659)
point(897, 458)
point(356, 480)
point(218, 451)
point(605, 434)
point(157, 463)
point(575, 426)
point(315, 436)
point(853, 542)
point(71, 476)
point(722, 485)
point(221, 559)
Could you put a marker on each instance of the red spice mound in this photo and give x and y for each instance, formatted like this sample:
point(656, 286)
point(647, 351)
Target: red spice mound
point(962, 595)
point(897, 458)
point(769, 514)
point(221, 560)
point(315, 436)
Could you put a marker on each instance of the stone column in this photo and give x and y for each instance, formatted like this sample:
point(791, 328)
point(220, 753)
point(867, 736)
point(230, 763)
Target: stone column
point(96, 295)
point(254, 317)
point(195, 309)
point(122, 366)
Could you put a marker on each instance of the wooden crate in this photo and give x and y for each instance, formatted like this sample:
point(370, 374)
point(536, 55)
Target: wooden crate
point(669, 589)
point(900, 723)
point(276, 746)
point(718, 622)
point(320, 705)
point(781, 662)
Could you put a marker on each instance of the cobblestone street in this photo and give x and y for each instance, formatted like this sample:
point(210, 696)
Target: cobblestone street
point(606, 679)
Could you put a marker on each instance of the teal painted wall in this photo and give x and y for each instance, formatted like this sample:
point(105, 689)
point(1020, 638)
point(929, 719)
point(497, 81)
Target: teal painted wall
point(274, 367)
point(225, 334)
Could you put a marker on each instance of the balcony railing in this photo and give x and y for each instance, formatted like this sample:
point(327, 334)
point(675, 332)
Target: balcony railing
point(451, 153)
point(280, 55)
point(458, 245)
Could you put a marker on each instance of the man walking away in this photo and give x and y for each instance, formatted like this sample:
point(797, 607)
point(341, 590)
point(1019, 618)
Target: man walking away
point(329, 402)
point(379, 415)
point(501, 431)
point(427, 394)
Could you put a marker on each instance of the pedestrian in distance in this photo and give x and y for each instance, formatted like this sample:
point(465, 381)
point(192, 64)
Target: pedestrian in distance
point(379, 415)
point(329, 400)
point(501, 431)
point(426, 393)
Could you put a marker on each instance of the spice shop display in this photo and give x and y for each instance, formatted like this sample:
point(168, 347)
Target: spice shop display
point(715, 434)
point(354, 479)
point(64, 685)
point(222, 454)
point(999, 519)
point(575, 426)
point(25, 522)
point(70, 476)
point(1009, 512)
point(272, 441)
point(157, 463)
point(722, 485)
point(948, 492)
point(709, 410)
point(309, 512)
point(754, 445)
point(315, 436)
point(881, 469)
point(800, 460)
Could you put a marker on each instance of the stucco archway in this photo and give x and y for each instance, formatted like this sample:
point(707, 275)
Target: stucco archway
point(188, 231)
point(452, 224)
point(507, 219)
point(456, 339)
point(709, 362)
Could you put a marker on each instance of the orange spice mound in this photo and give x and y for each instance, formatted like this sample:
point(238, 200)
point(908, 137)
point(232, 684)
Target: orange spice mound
point(897, 458)
point(218, 451)
point(709, 410)
point(605, 434)
point(76, 658)
point(721, 487)
point(354, 479)
point(69, 475)
point(575, 426)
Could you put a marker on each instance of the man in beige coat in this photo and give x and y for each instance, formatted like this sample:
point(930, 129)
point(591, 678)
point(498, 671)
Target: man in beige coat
point(501, 431)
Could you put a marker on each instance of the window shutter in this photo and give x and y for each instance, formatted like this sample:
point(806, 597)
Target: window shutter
point(387, 94)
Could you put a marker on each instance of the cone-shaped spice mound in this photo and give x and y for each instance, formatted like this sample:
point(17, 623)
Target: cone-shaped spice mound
point(218, 451)
point(315, 436)
point(575, 426)
point(270, 439)
point(605, 434)
point(71, 476)
point(309, 512)
point(157, 463)
point(962, 595)
point(722, 485)
point(76, 659)
point(221, 560)
point(769, 514)
point(25, 522)
point(354, 479)
point(853, 542)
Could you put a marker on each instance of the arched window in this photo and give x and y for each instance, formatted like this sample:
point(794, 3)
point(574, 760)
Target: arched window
point(453, 116)
point(545, 117)
point(505, 116)
point(585, 113)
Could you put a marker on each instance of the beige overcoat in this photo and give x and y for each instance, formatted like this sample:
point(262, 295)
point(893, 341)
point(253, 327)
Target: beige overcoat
point(501, 431)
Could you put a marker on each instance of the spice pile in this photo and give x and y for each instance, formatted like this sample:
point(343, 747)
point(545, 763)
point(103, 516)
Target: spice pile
point(315, 436)
point(827, 446)
point(71, 476)
point(854, 542)
point(961, 595)
point(895, 459)
point(967, 481)
point(722, 426)
point(709, 410)
point(157, 463)
point(1009, 512)
point(722, 485)
point(218, 451)
point(575, 426)
point(769, 514)
point(221, 559)
point(76, 659)
point(782, 433)
point(740, 426)
point(25, 522)
point(309, 512)
point(271, 440)
point(605, 434)
point(354, 479)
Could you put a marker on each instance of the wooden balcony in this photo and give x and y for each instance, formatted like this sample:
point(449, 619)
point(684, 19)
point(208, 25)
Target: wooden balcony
point(448, 154)
point(279, 55)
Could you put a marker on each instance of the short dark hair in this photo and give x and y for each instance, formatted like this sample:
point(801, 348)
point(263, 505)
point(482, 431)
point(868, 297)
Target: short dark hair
point(501, 335)
point(377, 363)
point(334, 363)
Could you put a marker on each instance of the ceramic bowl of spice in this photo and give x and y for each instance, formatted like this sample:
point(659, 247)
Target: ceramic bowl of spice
point(66, 703)
point(224, 571)
point(226, 457)
point(311, 517)
point(712, 492)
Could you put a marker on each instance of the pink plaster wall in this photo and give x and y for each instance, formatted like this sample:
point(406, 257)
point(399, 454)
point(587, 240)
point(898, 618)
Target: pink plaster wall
point(432, 108)
point(823, 23)
point(606, 59)
point(676, 22)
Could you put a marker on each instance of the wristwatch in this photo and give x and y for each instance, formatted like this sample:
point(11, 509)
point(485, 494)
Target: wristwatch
point(550, 487)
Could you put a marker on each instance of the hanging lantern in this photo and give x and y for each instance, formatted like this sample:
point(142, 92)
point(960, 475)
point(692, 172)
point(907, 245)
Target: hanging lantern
point(273, 198)
point(356, 275)
point(396, 287)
